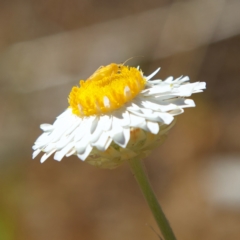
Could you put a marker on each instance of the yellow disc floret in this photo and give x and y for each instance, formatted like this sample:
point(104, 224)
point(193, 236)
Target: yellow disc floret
point(109, 88)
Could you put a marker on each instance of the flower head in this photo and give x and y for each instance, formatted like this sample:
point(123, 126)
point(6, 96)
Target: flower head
point(115, 115)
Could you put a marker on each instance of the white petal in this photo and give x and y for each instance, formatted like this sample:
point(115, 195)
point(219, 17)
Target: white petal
point(119, 139)
point(81, 130)
point(177, 102)
point(35, 147)
point(135, 103)
point(135, 121)
point(71, 152)
point(154, 82)
point(126, 133)
point(67, 112)
point(46, 127)
point(94, 124)
point(158, 89)
point(107, 144)
point(185, 90)
point(116, 132)
point(121, 118)
point(182, 79)
point(46, 156)
point(82, 144)
point(154, 116)
point(35, 153)
point(153, 127)
point(64, 141)
point(166, 117)
point(153, 74)
point(176, 111)
point(42, 138)
point(126, 119)
point(64, 120)
point(169, 79)
point(74, 125)
point(107, 122)
point(143, 126)
point(39, 146)
point(58, 132)
point(50, 147)
point(84, 155)
point(97, 133)
point(151, 105)
point(161, 106)
point(116, 127)
point(134, 110)
point(146, 111)
point(167, 107)
point(189, 103)
point(200, 85)
point(103, 142)
point(60, 154)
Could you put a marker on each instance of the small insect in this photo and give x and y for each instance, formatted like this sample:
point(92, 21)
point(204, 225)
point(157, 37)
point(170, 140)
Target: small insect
point(109, 70)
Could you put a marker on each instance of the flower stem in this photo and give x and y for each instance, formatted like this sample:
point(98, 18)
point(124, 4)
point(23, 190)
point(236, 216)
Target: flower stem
point(137, 168)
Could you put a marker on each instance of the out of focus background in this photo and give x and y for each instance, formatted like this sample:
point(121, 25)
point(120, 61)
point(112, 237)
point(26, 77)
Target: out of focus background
point(46, 47)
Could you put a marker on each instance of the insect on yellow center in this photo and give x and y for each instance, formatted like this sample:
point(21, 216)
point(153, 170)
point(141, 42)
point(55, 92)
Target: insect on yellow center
point(108, 89)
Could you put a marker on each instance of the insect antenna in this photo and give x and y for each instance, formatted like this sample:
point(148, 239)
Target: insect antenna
point(130, 59)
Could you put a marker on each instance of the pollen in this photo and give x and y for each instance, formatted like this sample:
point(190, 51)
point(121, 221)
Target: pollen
point(106, 91)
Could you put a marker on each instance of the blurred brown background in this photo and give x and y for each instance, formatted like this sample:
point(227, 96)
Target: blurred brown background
point(47, 46)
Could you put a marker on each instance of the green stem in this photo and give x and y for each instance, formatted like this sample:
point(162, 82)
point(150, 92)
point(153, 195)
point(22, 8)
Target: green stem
point(137, 168)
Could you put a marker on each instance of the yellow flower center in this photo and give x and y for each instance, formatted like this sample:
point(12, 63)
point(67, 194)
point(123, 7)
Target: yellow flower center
point(109, 88)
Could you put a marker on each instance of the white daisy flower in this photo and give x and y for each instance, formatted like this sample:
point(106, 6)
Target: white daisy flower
point(115, 115)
